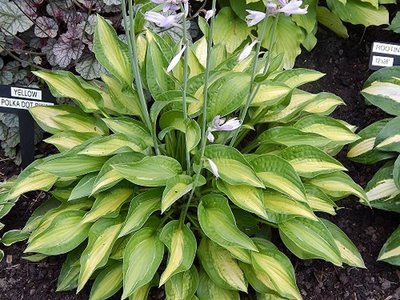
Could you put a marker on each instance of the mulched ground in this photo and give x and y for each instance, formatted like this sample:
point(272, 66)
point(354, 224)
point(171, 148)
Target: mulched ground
point(346, 64)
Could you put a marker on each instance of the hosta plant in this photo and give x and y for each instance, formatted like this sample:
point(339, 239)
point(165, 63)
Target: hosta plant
point(381, 142)
point(181, 165)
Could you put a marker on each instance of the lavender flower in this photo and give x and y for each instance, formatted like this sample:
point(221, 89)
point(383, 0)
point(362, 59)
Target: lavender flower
point(163, 21)
point(172, 5)
point(254, 17)
point(220, 124)
point(209, 14)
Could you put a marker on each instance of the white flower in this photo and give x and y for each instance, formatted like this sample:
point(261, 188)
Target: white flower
point(163, 21)
point(209, 14)
point(292, 8)
point(254, 17)
point(176, 59)
point(220, 124)
point(246, 51)
point(214, 168)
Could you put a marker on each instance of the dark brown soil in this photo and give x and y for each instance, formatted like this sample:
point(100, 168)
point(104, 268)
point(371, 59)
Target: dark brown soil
point(346, 64)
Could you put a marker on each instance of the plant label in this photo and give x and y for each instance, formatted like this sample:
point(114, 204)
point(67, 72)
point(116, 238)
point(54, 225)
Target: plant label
point(384, 55)
point(17, 100)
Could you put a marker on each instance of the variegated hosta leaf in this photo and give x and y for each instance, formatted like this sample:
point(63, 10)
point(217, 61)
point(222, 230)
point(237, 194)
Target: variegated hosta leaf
point(338, 184)
point(208, 290)
point(142, 257)
point(125, 101)
point(81, 123)
point(108, 176)
point(68, 278)
point(382, 93)
point(151, 171)
point(221, 267)
point(382, 191)
point(318, 200)
point(327, 127)
point(359, 12)
point(278, 174)
point(218, 223)
point(129, 127)
point(175, 189)
point(65, 233)
point(309, 161)
point(309, 239)
point(38, 225)
point(107, 282)
point(271, 263)
point(108, 203)
point(227, 94)
point(232, 166)
point(158, 81)
point(31, 179)
point(390, 251)
point(70, 166)
point(364, 151)
point(298, 76)
point(182, 286)
point(270, 93)
point(13, 236)
point(65, 84)
point(284, 114)
point(182, 246)
point(102, 236)
point(290, 136)
point(388, 139)
point(142, 293)
point(113, 144)
point(280, 207)
point(83, 188)
point(66, 140)
point(111, 52)
point(323, 104)
point(348, 251)
point(140, 209)
point(246, 197)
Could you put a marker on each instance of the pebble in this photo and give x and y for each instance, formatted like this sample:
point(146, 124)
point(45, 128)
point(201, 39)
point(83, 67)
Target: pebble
point(386, 284)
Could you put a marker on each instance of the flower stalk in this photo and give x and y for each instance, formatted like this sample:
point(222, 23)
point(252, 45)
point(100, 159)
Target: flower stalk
point(135, 66)
point(204, 113)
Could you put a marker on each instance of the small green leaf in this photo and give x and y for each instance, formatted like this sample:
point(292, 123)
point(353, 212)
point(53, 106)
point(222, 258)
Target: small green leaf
point(175, 189)
point(13, 236)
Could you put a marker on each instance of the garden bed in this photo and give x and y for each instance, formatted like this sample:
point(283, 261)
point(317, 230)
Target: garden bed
point(346, 64)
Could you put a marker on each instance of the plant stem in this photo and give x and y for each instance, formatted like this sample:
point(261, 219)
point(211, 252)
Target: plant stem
point(184, 87)
point(255, 86)
point(135, 66)
point(204, 113)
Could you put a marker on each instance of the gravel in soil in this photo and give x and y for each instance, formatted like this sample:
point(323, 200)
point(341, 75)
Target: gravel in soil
point(346, 64)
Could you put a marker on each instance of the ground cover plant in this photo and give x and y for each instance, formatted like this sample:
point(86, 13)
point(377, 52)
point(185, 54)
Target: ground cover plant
point(207, 155)
point(380, 142)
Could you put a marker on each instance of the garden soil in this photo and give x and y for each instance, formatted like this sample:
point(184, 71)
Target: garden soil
point(345, 63)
